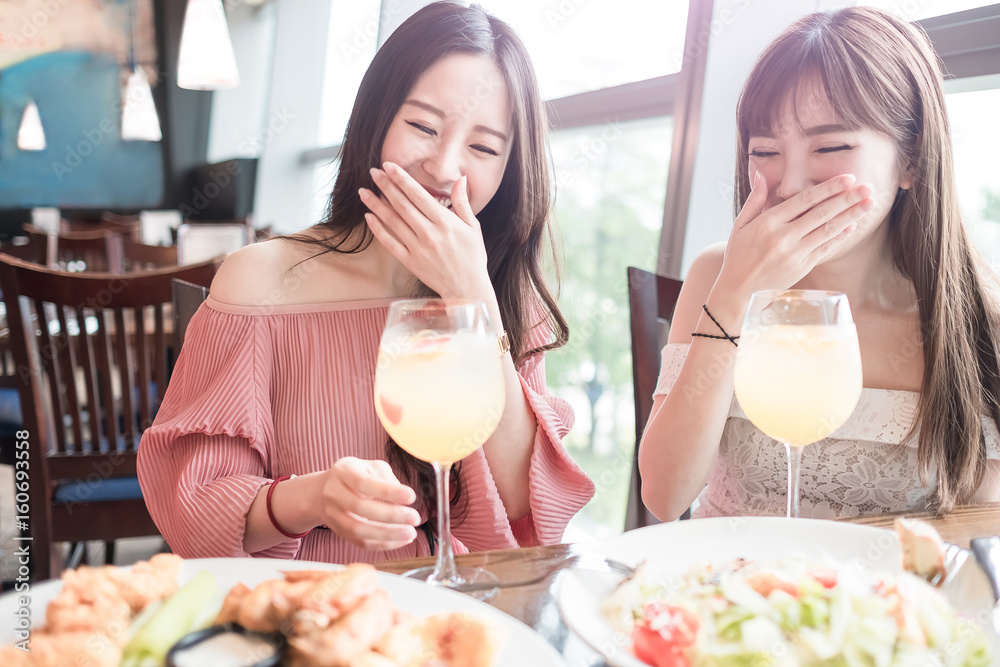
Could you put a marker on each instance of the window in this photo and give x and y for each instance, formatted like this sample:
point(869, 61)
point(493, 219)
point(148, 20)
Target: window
point(582, 46)
point(976, 143)
point(324, 174)
point(611, 183)
point(350, 47)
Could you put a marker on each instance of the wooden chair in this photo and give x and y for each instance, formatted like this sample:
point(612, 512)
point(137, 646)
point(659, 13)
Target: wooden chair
point(651, 301)
point(142, 257)
point(93, 250)
point(126, 226)
point(91, 353)
point(34, 249)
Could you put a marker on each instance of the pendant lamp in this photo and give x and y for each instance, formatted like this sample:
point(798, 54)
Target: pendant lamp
point(139, 119)
point(206, 61)
point(30, 135)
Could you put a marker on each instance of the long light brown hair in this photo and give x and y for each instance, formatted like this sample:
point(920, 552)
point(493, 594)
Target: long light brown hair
point(881, 73)
point(516, 221)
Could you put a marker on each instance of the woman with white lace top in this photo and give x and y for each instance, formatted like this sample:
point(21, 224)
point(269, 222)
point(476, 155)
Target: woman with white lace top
point(844, 182)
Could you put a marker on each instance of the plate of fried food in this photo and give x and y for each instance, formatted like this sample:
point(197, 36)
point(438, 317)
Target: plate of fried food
point(256, 613)
point(743, 591)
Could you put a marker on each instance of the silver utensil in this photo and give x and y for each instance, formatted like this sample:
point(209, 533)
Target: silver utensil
point(954, 557)
point(987, 551)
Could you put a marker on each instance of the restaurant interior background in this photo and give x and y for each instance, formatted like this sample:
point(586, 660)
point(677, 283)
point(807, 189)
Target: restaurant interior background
point(641, 96)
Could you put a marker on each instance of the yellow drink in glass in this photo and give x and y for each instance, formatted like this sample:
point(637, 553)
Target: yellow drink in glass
point(798, 370)
point(440, 396)
point(799, 383)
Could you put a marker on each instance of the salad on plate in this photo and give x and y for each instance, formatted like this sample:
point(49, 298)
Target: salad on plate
point(792, 611)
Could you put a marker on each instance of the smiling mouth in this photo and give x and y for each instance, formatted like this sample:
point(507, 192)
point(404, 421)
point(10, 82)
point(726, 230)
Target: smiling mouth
point(444, 201)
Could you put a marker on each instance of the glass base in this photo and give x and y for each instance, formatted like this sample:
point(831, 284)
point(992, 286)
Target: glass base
point(473, 581)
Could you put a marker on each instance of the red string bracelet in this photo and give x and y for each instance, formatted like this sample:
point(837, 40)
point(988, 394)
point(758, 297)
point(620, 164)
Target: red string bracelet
point(270, 512)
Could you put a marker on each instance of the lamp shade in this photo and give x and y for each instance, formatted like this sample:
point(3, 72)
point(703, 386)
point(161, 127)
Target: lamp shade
point(206, 61)
point(30, 135)
point(139, 119)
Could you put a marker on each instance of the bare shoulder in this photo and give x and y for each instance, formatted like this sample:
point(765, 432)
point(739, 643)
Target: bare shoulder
point(698, 284)
point(259, 272)
point(705, 268)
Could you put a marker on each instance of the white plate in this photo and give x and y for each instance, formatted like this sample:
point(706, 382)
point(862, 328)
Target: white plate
point(523, 646)
point(675, 547)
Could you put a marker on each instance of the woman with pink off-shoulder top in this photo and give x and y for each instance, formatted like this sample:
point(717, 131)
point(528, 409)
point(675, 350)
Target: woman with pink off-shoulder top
point(267, 442)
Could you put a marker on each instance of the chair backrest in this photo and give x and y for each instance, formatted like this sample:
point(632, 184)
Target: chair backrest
point(651, 301)
point(34, 249)
point(91, 354)
point(142, 257)
point(187, 298)
point(127, 226)
point(92, 250)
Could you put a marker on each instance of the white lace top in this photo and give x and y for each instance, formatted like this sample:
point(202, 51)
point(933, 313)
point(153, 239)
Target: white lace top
point(864, 467)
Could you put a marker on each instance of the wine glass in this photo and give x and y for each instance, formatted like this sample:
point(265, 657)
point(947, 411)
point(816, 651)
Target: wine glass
point(798, 370)
point(439, 392)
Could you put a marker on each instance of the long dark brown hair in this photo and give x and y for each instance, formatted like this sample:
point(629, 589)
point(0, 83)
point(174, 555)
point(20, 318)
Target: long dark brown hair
point(515, 223)
point(881, 73)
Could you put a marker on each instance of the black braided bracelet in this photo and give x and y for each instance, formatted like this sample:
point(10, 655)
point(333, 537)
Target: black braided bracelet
point(725, 335)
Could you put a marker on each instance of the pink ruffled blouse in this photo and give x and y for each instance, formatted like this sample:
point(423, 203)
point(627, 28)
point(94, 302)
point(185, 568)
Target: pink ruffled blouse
point(261, 392)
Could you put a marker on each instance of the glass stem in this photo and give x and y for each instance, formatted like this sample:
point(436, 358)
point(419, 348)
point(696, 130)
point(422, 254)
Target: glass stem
point(794, 463)
point(444, 569)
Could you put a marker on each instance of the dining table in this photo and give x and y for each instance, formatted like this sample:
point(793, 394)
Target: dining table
point(529, 576)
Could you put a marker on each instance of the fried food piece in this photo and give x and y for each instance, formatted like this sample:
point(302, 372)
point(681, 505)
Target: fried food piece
point(149, 581)
point(295, 576)
point(231, 604)
point(270, 606)
point(923, 550)
point(334, 596)
point(303, 602)
point(349, 637)
point(80, 649)
point(79, 608)
point(456, 639)
point(103, 599)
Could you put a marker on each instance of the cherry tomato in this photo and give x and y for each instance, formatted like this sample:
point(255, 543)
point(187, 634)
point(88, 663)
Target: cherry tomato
point(663, 633)
point(828, 578)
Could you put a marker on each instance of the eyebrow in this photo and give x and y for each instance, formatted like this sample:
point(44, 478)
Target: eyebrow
point(809, 132)
point(439, 113)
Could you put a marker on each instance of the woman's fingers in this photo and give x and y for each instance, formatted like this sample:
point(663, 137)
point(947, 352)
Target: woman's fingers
point(822, 240)
point(386, 237)
point(837, 212)
point(407, 196)
point(460, 201)
point(398, 226)
point(370, 479)
point(810, 198)
point(370, 534)
point(754, 204)
point(368, 506)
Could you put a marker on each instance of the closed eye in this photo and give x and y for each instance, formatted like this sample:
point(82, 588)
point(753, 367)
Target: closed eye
point(484, 149)
point(759, 153)
point(422, 128)
point(833, 149)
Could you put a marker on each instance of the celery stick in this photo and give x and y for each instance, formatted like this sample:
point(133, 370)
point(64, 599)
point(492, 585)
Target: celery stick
point(172, 620)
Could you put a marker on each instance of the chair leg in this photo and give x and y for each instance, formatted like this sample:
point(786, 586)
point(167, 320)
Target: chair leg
point(109, 552)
